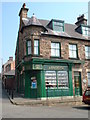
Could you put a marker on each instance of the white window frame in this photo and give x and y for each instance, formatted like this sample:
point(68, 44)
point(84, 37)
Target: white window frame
point(36, 47)
point(88, 78)
point(87, 52)
point(29, 48)
point(55, 49)
point(73, 51)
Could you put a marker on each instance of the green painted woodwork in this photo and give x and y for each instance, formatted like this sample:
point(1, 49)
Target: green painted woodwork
point(57, 92)
point(21, 84)
point(52, 61)
point(55, 67)
point(27, 85)
point(43, 90)
point(77, 82)
point(59, 22)
point(70, 79)
point(36, 68)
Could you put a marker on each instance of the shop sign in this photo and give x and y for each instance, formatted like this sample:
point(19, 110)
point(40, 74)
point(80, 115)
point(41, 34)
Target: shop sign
point(37, 67)
point(52, 67)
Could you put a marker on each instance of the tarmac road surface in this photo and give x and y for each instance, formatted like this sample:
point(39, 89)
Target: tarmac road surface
point(62, 111)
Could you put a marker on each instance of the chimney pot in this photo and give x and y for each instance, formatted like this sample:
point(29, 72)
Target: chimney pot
point(81, 20)
point(23, 11)
point(24, 5)
point(10, 58)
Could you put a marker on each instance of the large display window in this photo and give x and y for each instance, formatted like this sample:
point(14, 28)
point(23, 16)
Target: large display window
point(56, 79)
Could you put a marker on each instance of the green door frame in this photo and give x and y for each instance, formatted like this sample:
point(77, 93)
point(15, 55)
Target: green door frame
point(78, 84)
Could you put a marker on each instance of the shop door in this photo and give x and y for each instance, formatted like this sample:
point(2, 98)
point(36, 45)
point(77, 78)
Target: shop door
point(77, 82)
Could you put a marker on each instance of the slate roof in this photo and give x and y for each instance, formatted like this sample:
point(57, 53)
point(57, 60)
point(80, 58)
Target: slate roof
point(69, 28)
point(32, 21)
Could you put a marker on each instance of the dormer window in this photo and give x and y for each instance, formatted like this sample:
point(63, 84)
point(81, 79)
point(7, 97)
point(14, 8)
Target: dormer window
point(86, 30)
point(58, 25)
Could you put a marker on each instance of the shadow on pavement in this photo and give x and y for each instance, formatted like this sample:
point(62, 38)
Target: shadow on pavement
point(82, 107)
point(4, 94)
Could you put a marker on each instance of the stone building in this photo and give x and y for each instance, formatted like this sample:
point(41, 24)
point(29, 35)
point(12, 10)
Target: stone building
point(52, 57)
point(8, 73)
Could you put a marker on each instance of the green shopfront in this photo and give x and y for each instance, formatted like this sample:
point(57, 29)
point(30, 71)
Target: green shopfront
point(43, 78)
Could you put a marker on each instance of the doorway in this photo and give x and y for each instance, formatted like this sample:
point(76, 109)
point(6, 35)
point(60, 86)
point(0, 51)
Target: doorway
point(77, 83)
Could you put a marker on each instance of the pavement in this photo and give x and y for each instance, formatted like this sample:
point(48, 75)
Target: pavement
point(20, 100)
point(60, 110)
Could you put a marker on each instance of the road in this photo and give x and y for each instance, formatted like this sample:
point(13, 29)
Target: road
point(12, 111)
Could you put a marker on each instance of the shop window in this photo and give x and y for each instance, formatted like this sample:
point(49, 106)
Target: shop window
point(36, 47)
point(55, 49)
point(57, 79)
point(50, 79)
point(73, 53)
point(88, 77)
point(62, 78)
point(87, 52)
point(29, 47)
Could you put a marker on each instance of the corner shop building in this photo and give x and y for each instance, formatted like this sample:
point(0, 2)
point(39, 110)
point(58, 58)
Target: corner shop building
point(51, 61)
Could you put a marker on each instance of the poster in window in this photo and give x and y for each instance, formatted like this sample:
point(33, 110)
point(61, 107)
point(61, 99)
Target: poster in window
point(33, 83)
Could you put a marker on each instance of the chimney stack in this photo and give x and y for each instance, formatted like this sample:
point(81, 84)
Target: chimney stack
point(23, 11)
point(81, 20)
point(10, 58)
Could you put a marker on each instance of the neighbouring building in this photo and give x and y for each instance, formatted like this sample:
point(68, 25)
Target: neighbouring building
point(8, 73)
point(52, 57)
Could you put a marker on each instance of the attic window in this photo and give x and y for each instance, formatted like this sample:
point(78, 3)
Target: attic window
point(86, 30)
point(58, 25)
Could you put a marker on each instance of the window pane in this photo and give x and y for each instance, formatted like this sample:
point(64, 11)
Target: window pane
point(53, 45)
point(74, 47)
point(29, 43)
point(35, 42)
point(36, 50)
point(58, 26)
point(36, 47)
point(55, 49)
point(70, 47)
point(62, 78)
point(50, 79)
point(87, 52)
point(86, 48)
point(86, 31)
point(72, 51)
point(29, 50)
point(74, 54)
point(57, 45)
point(88, 77)
point(57, 53)
point(28, 47)
point(53, 52)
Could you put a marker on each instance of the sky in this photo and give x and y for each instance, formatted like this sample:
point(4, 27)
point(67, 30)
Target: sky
point(67, 11)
